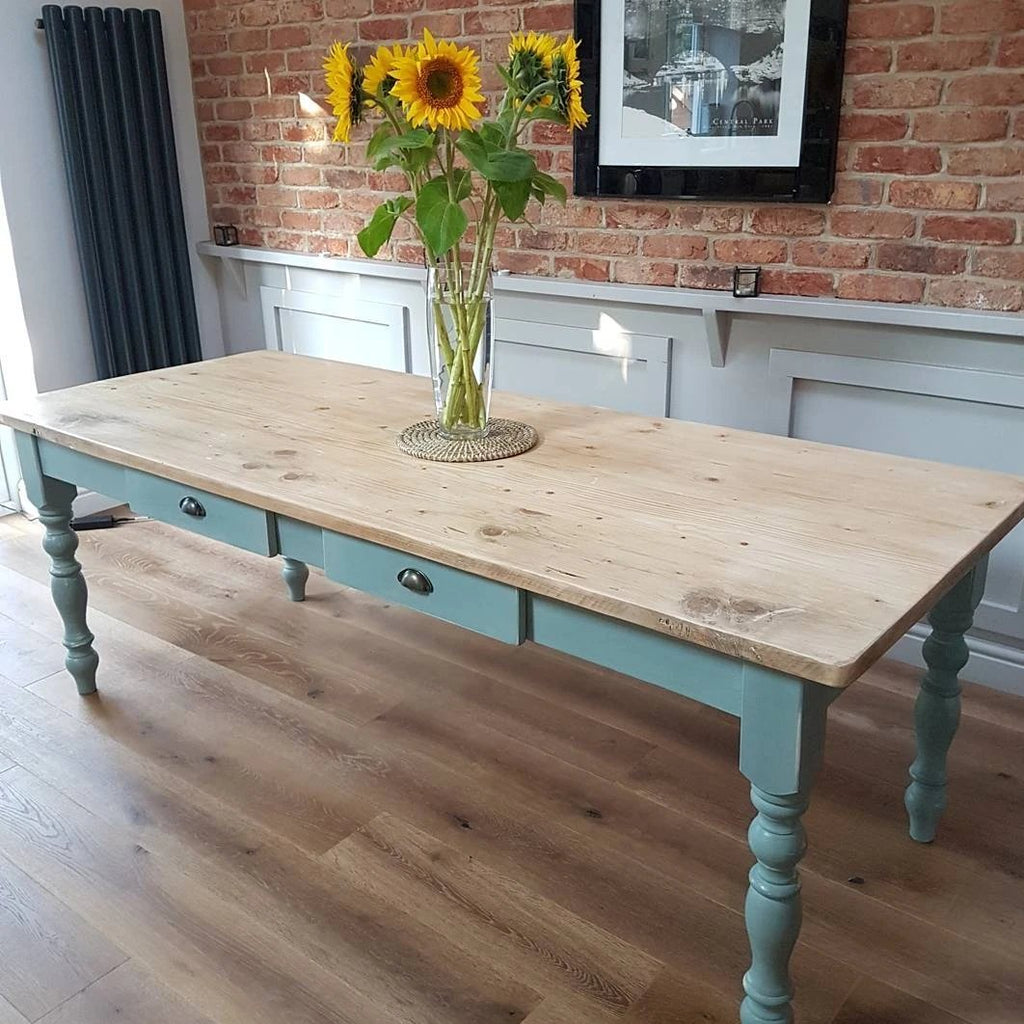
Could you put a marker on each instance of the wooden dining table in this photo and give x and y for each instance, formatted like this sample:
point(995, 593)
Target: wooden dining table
point(759, 575)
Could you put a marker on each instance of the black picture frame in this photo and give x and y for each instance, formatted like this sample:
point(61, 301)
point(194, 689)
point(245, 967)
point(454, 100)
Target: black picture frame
point(811, 181)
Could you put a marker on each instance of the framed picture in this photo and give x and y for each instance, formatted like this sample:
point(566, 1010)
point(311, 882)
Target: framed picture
point(710, 99)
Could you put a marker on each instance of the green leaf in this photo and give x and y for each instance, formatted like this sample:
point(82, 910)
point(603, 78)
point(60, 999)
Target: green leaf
point(380, 136)
point(513, 197)
point(544, 185)
point(463, 182)
point(418, 138)
point(494, 162)
point(378, 232)
point(547, 114)
point(492, 134)
point(441, 221)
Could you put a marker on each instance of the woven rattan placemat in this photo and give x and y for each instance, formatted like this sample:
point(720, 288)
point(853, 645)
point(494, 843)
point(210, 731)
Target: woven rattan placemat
point(505, 439)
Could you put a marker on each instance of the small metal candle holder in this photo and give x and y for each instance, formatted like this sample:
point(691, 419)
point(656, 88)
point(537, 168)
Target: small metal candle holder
point(225, 234)
point(746, 282)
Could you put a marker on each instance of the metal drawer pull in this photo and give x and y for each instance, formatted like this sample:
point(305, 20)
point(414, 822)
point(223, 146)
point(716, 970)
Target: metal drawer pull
point(414, 580)
point(192, 507)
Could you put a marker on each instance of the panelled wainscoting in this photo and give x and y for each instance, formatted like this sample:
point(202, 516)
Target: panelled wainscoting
point(341, 812)
point(932, 383)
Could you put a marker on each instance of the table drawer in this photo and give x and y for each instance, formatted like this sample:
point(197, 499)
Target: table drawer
point(201, 512)
point(488, 607)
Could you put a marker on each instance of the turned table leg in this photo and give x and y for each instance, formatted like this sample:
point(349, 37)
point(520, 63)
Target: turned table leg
point(937, 711)
point(295, 574)
point(67, 584)
point(782, 735)
point(53, 499)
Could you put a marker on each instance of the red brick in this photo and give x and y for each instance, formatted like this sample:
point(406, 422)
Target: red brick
point(301, 10)
point(480, 23)
point(976, 17)
point(383, 29)
point(914, 105)
point(606, 243)
point(796, 282)
point(448, 26)
point(700, 275)
point(1008, 265)
point(872, 224)
point(980, 230)
point(880, 288)
point(1005, 196)
point(976, 295)
point(921, 259)
point(830, 254)
point(890, 21)
point(224, 67)
point(208, 43)
point(221, 132)
point(989, 161)
point(1011, 52)
point(582, 269)
point(530, 238)
point(787, 221)
point(851, 191)
point(640, 271)
point(935, 195)
point(300, 220)
point(716, 219)
point(524, 262)
point(873, 127)
point(319, 199)
point(258, 15)
point(865, 60)
point(960, 125)
point(548, 17)
point(298, 174)
point(896, 92)
point(898, 159)
point(990, 88)
point(289, 37)
point(669, 244)
point(942, 55)
point(249, 39)
point(234, 110)
point(644, 216)
point(750, 250)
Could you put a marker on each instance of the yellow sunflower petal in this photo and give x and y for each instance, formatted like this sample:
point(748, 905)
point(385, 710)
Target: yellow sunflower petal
point(439, 84)
point(380, 67)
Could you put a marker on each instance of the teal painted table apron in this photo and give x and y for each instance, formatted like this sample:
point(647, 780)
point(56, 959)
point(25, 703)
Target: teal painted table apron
point(782, 716)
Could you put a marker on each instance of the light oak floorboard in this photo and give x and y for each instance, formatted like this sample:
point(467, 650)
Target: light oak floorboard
point(392, 820)
point(127, 995)
point(47, 953)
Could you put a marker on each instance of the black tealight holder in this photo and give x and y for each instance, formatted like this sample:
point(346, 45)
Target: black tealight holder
point(225, 234)
point(746, 282)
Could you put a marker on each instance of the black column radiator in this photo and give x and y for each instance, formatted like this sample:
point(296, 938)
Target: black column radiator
point(114, 109)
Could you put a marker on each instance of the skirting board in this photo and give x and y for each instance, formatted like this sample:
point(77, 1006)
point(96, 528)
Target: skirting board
point(995, 665)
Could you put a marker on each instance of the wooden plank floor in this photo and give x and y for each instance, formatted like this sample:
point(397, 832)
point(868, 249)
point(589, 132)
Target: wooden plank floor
point(344, 812)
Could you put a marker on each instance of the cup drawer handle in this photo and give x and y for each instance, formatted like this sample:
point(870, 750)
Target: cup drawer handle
point(414, 580)
point(192, 507)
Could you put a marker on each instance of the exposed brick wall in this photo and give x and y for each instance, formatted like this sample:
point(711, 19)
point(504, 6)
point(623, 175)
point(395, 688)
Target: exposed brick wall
point(929, 205)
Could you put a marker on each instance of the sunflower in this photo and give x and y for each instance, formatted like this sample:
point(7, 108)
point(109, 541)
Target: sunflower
point(439, 84)
point(345, 82)
point(565, 69)
point(530, 62)
point(379, 74)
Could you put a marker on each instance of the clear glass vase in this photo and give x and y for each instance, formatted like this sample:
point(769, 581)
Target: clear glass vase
point(460, 328)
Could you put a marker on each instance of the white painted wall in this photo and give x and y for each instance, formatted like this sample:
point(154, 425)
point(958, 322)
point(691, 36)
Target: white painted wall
point(36, 199)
